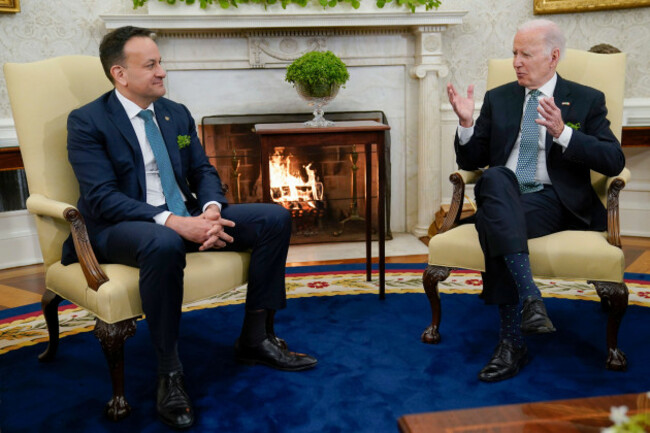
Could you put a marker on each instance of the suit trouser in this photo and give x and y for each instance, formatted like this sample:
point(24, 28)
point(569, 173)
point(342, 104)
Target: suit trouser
point(159, 253)
point(505, 220)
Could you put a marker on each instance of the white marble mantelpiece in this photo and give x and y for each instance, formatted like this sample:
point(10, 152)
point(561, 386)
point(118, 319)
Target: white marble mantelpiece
point(256, 21)
point(232, 62)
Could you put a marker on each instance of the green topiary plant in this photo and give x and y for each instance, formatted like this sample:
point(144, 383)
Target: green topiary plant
point(316, 72)
point(411, 4)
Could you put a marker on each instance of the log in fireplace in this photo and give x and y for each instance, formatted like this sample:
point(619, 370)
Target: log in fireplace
point(323, 188)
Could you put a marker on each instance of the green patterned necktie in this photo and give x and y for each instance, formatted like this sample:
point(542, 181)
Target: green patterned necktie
point(173, 197)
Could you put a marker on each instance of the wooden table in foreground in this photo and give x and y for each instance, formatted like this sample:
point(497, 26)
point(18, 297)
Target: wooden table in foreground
point(576, 415)
point(362, 132)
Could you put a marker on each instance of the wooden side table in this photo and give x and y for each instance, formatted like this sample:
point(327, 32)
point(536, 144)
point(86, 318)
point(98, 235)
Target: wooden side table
point(10, 158)
point(574, 415)
point(364, 133)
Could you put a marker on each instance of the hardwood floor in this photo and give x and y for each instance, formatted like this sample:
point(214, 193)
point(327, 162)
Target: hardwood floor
point(25, 285)
point(21, 286)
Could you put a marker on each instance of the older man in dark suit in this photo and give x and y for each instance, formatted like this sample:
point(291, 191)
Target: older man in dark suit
point(540, 137)
point(149, 196)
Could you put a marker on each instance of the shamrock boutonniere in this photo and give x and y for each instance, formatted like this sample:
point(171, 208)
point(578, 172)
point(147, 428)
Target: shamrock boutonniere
point(183, 141)
point(574, 126)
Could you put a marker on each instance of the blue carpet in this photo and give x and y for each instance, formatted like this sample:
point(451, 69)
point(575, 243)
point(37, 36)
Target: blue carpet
point(372, 370)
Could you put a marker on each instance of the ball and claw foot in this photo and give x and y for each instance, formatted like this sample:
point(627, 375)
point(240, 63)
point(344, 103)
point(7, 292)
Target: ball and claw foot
point(117, 408)
point(431, 335)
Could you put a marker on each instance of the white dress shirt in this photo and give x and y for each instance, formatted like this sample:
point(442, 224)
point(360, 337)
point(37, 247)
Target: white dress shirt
point(541, 176)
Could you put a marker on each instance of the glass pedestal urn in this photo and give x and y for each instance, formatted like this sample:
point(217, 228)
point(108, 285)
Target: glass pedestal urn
point(317, 97)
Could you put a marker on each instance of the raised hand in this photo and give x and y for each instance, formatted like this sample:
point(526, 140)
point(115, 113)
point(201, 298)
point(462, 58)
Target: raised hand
point(551, 116)
point(463, 106)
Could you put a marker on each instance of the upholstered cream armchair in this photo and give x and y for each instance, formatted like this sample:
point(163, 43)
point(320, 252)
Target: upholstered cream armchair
point(592, 256)
point(42, 94)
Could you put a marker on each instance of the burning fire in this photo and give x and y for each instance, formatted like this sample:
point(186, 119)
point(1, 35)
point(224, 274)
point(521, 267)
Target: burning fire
point(288, 187)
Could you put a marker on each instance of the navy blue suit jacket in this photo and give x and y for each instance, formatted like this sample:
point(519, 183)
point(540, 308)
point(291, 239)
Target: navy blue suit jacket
point(593, 146)
point(106, 158)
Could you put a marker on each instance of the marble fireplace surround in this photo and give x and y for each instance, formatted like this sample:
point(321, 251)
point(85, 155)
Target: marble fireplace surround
point(235, 63)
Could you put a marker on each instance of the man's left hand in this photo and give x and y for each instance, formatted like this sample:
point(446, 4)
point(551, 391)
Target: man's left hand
point(217, 236)
point(551, 116)
point(211, 213)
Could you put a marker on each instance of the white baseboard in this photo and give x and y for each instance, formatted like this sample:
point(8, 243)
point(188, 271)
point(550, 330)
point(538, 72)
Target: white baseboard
point(636, 112)
point(8, 133)
point(18, 240)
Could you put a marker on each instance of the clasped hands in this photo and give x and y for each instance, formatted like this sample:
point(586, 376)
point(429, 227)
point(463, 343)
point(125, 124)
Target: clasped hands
point(551, 116)
point(206, 229)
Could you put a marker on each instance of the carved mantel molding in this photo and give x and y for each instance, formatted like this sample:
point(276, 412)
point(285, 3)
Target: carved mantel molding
point(314, 29)
point(243, 22)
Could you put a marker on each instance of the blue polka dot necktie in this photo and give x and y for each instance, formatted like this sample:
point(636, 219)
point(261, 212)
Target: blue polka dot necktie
point(173, 197)
point(528, 147)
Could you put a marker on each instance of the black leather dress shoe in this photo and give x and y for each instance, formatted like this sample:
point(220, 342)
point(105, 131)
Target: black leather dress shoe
point(277, 341)
point(273, 354)
point(172, 402)
point(506, 362)
point(534, 318)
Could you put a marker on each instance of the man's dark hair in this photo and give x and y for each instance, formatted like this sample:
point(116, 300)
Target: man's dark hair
point(111, 49)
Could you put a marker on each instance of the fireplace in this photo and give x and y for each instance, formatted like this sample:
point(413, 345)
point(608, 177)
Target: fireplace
point(322, 187)
point(234, 64)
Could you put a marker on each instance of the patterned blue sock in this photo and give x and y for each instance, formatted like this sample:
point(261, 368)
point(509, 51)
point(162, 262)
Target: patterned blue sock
point(519, 266)
point(510, 315)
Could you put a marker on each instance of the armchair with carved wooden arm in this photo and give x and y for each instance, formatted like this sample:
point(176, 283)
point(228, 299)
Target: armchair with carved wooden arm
point(593, 256)
point(42, 94)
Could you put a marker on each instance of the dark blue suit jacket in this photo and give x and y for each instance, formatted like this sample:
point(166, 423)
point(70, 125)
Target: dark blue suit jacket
point(106, 158)
point(592, 147)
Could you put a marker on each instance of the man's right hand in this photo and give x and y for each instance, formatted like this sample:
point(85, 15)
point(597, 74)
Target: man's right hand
point(463, 106)
point(194, 229)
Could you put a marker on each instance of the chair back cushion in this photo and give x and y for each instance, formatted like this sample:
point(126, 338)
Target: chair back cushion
point(605, 72)
point(42, 94)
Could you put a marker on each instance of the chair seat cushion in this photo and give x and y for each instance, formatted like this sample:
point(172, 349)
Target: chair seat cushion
point(206, 274)
point(567, 254)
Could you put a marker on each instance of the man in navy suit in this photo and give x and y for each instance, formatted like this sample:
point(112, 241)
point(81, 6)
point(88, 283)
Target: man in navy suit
point(149, 196)
point(538, 180)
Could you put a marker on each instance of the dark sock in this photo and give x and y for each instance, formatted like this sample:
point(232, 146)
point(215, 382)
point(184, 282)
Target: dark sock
point(519, 266)
point(169, 362)
point(253, 331)
point(510, 315)
point(270, 322)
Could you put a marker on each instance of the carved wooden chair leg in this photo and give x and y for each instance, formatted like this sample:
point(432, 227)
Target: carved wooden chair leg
point(112, 338)
point(50, 305)
point(615, 296)
point(430, 279)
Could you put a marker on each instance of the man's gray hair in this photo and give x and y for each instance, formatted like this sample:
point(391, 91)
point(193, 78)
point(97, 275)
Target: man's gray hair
point(553, 34)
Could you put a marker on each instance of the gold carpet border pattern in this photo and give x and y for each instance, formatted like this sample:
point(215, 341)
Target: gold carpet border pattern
point(33, 330)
